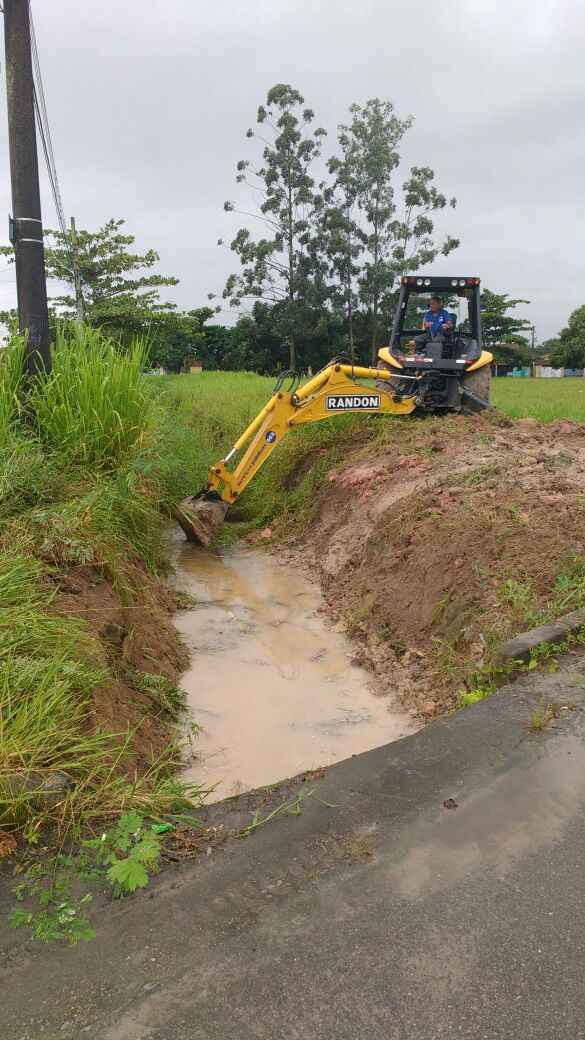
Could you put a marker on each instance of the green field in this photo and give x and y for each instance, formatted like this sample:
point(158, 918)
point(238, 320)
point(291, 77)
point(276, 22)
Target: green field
point(544, 399)
point(225, 402)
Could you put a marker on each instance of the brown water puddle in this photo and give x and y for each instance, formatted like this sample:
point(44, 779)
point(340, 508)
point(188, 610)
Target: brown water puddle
point(270, 683)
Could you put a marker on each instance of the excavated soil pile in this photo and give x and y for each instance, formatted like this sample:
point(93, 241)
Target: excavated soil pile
point(136, 637)
point(452, 535)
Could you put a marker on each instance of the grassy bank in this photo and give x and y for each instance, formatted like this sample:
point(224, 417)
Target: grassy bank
point(211, 410)
point(84, 478)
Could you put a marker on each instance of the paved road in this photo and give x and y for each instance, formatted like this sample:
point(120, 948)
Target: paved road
point(388, 916)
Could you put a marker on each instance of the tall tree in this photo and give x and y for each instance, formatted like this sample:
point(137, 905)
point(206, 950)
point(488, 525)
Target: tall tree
point(398, 226)
point(569, 349)
point(496, 324)
point(178, 337)
point(277, 268)
point(117, 289)
point(343, 241)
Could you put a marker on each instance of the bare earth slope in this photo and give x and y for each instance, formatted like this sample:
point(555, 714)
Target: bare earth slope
point(448, 536)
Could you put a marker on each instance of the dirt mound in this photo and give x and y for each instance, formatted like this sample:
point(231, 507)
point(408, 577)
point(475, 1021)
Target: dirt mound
point(451, 536)
point(135, 635)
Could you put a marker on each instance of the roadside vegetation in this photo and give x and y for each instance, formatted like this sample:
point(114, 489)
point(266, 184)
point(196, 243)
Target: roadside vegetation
point(86, 475)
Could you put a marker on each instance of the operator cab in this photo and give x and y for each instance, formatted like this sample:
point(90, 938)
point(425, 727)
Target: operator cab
point(462, 345)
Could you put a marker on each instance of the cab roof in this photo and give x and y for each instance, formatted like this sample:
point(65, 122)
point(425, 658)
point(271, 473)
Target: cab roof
point(444, 283)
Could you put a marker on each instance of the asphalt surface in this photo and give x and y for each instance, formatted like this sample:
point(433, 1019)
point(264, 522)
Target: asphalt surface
point(379, 912)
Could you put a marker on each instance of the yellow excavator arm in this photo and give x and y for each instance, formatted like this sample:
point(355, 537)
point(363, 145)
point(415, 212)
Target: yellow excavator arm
point(333, 391)
point(330, 392)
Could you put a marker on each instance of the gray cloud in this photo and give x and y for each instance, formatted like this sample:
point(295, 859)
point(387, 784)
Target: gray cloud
point(149, 101)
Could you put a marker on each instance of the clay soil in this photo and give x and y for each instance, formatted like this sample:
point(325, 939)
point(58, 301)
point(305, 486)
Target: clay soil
point(445, 538)
point(135, 634)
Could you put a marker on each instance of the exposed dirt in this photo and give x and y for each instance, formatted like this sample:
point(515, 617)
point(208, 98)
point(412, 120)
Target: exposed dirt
point(439, 542)
point(135, 634)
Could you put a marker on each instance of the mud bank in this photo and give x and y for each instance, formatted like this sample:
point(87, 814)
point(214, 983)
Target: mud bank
point(443, 538)
point(274, 688)
point(136, 637)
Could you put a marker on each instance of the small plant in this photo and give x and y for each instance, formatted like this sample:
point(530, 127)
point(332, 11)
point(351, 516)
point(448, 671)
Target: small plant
point(164, 692)
point(515, 513)
point(128, 852)
point(126, 856)
point(465, 698)
point(11, 368)
point(58, 914)
point(541, 717)
point(291, 807)
point(519, 595)
point(440, 608)
point(355, 620)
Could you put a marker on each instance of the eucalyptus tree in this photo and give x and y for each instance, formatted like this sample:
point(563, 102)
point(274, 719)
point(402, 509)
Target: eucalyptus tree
point(278, 266)
point(395, 221)
point(343, 240)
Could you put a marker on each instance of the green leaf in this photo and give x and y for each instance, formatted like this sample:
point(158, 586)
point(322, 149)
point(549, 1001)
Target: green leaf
point(129, 823)
point(147, 850)
point(127, 875)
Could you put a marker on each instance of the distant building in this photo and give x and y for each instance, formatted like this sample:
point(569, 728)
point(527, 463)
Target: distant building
point(194, 367)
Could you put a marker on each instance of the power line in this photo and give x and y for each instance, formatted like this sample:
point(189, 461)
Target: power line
point(69, 238)
point(45, 129)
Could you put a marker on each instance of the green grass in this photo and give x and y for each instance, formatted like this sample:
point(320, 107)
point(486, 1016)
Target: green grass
point(49, 666)
point(84, 480)
point(95, 406)
point(206, 413)
point(543, 399)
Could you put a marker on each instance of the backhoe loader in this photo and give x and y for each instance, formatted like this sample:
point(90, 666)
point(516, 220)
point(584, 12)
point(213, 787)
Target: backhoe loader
point(450, 378)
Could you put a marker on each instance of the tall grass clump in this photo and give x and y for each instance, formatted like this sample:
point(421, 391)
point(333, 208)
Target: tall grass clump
point(11, 364)
point(94, 407)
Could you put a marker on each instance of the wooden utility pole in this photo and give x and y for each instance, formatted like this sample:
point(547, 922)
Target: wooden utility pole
point(26, 228)
point(76, 277)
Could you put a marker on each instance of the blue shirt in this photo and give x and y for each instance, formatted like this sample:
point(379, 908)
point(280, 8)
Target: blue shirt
point(438, 320)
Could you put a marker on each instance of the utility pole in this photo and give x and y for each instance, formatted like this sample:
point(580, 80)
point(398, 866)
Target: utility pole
point(76, 277)
point(26, 228)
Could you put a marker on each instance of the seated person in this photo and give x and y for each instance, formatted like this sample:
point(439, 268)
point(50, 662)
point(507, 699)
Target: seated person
point(437, 323)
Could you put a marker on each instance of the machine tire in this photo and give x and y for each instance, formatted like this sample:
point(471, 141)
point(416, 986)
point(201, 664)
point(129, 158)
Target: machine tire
point(478, 383)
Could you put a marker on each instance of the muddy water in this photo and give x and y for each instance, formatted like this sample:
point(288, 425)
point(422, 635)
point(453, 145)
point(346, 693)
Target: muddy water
point(270, 683)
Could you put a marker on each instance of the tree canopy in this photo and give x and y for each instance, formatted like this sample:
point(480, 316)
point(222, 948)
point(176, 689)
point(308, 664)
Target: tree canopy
point(329, 253)
point(276, 267)
point(568, 350)
point(118, 286)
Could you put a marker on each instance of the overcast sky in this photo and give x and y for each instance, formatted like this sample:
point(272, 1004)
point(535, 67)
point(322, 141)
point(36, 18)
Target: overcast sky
point(149, 101)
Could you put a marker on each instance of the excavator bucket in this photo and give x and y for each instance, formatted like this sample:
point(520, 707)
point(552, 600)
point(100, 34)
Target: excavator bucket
point(200, 516)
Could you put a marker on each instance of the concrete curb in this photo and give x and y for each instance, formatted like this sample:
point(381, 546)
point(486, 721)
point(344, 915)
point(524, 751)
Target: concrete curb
point(555, 632)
